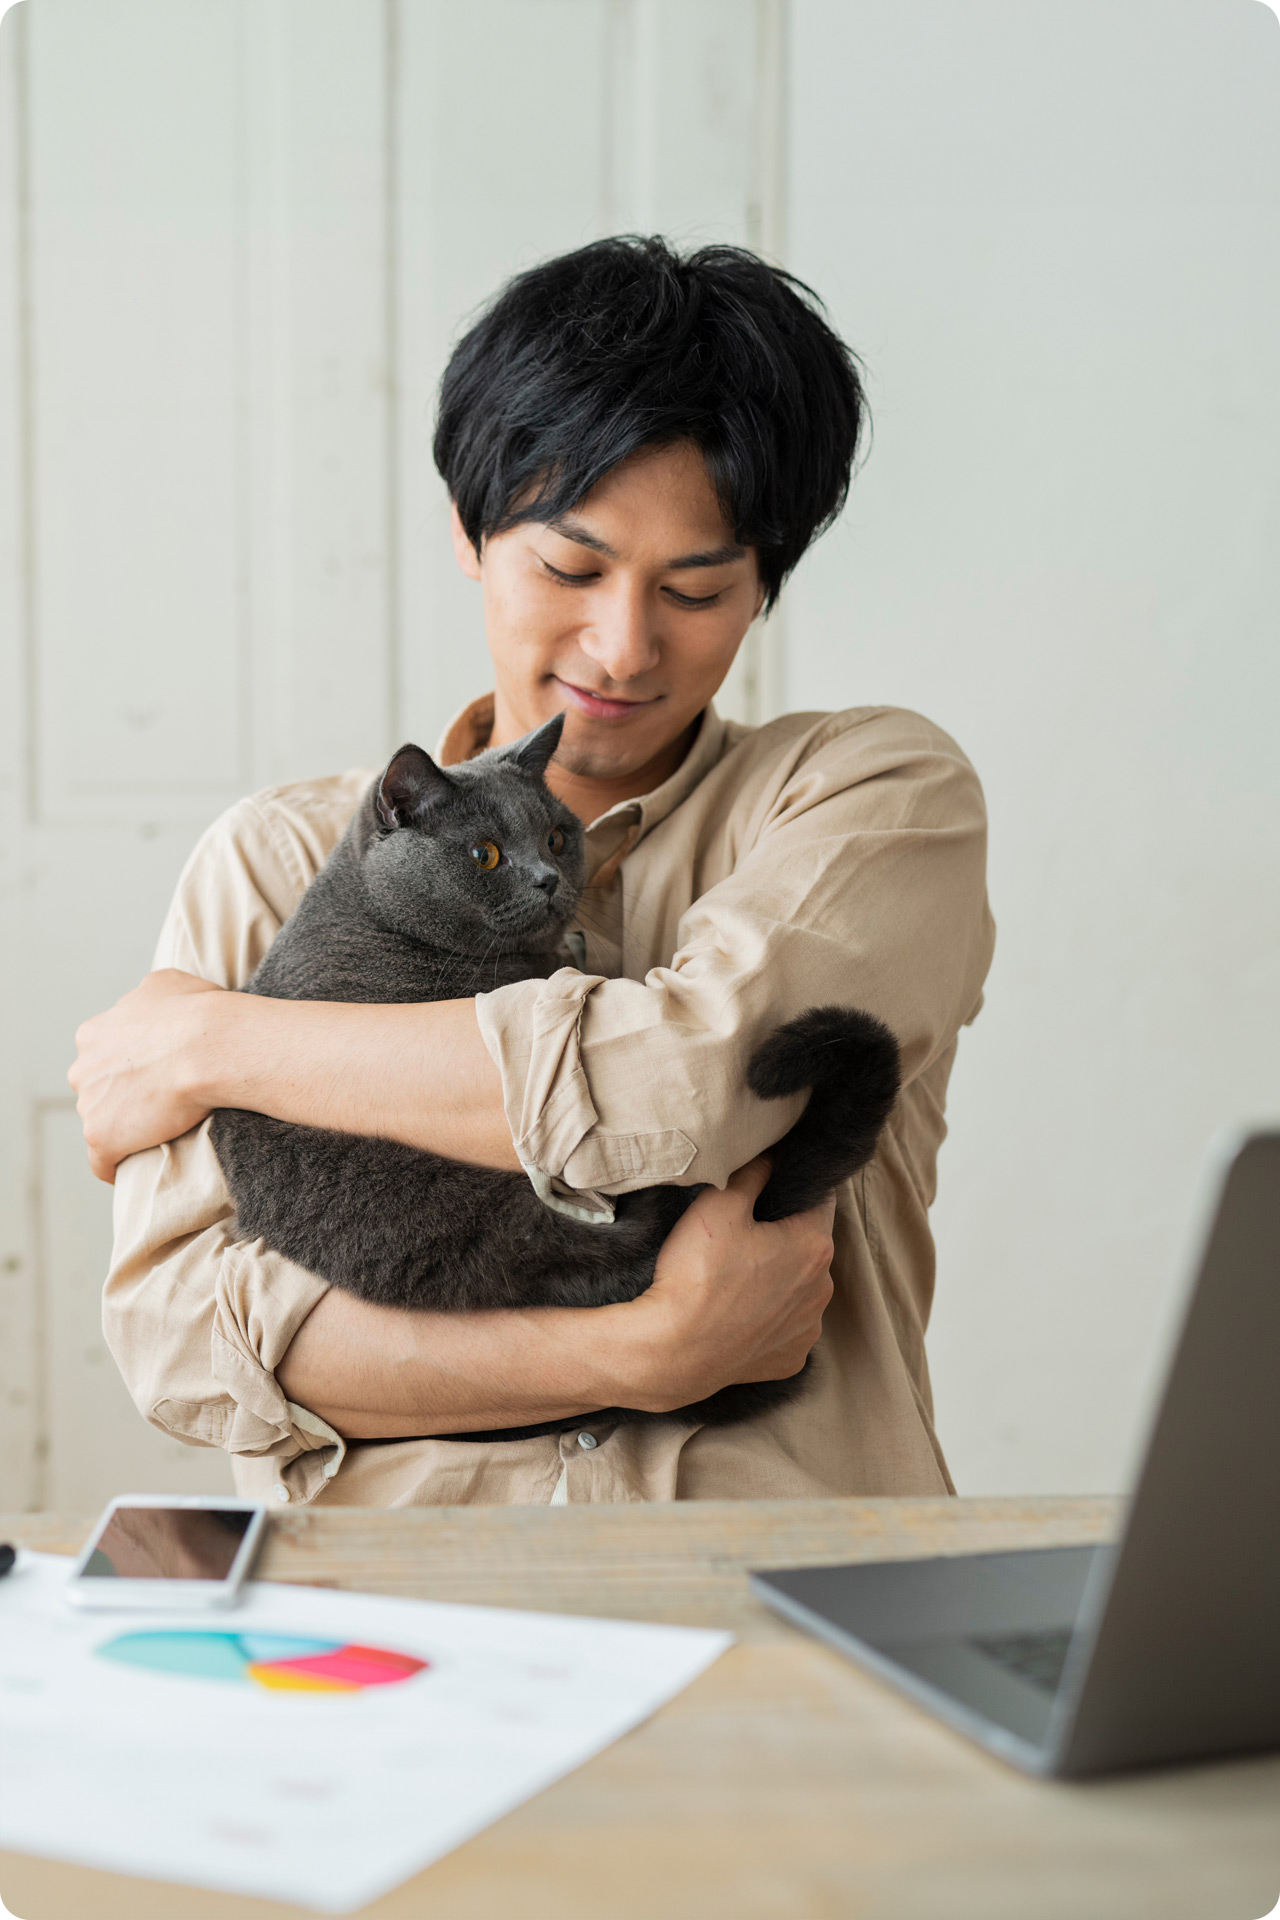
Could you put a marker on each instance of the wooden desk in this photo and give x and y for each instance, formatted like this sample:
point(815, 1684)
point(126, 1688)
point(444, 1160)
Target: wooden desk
point(784, 1784)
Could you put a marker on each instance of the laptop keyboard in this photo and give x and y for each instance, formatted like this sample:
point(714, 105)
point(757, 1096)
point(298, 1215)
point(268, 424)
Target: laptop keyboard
point(1037, 1657)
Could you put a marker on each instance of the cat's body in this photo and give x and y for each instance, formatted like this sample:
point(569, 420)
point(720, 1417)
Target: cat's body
point(412, 906)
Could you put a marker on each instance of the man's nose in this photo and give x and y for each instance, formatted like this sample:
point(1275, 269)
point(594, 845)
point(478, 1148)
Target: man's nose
point(621, 638)
point(547, 879)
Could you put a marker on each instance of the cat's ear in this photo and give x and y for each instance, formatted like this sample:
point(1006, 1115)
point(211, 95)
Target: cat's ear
point(533, 753)
point(409, 785)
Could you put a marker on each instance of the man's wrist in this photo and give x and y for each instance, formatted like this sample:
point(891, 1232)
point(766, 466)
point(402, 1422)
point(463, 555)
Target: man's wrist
point(627, 1362)
point(206, 1052)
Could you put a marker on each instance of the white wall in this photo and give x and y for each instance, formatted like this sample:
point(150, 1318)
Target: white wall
point(1051, 231)
point(237, 237)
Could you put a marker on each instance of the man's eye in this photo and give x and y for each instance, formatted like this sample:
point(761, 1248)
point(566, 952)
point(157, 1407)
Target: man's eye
point(570, 579)
point(555, 841)
point(690, 600)
point(486, 855)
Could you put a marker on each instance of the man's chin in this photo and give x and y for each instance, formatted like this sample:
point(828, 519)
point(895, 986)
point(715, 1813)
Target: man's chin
point(603, 759)
point(610, 758)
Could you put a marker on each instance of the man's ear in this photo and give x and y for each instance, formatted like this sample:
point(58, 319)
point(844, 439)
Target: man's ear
point(409, 785)
point(467, 556)
point(533, 753)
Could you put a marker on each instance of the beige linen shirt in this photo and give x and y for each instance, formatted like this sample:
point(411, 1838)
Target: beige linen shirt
point(823, 858)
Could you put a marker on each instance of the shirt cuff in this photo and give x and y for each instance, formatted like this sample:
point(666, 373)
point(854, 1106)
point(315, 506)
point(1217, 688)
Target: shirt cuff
point(532, 1030)
point(245, 1350)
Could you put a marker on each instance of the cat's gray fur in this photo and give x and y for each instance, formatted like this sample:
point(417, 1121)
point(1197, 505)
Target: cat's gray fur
point(403, 912)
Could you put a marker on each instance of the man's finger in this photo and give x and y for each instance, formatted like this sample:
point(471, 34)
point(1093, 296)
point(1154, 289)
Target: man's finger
point(101, 1168)
point(750, 1181)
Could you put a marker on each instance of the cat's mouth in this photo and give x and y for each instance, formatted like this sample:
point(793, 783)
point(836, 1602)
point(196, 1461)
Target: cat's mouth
point(540, 925)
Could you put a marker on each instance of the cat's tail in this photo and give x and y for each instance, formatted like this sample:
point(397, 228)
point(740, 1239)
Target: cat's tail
point(849, 1060)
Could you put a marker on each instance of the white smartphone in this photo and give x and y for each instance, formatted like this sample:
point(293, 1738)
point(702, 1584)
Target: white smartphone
point(158, 1550)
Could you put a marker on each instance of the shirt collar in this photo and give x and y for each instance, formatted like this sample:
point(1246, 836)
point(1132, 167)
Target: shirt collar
point(469, 733)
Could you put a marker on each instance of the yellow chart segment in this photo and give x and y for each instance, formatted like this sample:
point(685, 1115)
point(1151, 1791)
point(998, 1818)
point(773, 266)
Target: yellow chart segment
point(284, 1680)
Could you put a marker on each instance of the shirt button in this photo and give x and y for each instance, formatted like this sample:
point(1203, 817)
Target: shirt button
point(587, 1440)
point(282, 1493)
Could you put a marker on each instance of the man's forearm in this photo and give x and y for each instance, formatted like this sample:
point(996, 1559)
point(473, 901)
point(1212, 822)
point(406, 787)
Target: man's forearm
point(378, 1373)
point(418, 1073)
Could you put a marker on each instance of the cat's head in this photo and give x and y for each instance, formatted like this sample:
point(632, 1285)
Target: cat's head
point(482, 858)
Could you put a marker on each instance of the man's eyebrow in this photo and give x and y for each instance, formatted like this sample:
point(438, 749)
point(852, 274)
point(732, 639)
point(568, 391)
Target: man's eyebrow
point(712, 557)
point(572, 530)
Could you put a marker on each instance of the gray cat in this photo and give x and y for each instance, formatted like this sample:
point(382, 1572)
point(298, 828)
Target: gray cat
point(446, 885)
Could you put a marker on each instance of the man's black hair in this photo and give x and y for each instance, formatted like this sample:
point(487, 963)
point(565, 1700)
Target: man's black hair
point(626, 344)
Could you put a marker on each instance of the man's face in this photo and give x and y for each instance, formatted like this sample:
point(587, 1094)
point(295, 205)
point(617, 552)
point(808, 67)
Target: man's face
point(625, 615)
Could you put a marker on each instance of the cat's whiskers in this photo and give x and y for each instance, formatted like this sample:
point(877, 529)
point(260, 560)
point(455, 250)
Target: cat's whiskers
point(485, 960)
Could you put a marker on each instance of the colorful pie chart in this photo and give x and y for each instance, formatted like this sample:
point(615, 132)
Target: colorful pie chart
point(281, 1662)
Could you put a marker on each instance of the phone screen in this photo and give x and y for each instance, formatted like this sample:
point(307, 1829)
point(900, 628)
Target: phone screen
point(167, 1543)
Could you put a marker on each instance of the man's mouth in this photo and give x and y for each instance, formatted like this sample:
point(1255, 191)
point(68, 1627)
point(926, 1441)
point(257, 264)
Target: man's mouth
point(600, 706)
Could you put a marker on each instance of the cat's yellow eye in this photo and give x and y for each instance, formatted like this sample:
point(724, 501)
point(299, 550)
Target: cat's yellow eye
point(485, 855)
point(555, 841)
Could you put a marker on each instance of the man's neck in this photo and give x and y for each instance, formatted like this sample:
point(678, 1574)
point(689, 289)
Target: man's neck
point(589, 792)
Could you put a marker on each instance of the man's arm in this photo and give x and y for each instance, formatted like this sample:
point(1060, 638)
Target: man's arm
point(733, 1299)
point(158, 1062)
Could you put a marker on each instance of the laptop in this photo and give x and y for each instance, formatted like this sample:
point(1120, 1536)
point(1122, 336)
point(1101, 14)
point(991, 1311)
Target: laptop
point(1073, 1661)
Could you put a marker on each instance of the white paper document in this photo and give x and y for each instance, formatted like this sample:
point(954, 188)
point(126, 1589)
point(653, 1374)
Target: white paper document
point(311, 1746)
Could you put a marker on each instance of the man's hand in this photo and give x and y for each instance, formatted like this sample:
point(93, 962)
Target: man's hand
point(132, 1073)
point(733, 1298)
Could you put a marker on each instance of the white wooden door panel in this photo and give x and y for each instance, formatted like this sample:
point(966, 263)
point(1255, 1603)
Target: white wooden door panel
point(238, 238)
point(318, 401)
point(687, 112)
point(17, 1290)
point(133, 284)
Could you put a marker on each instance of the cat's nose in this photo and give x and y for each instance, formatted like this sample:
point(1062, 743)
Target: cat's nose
point(547, 879)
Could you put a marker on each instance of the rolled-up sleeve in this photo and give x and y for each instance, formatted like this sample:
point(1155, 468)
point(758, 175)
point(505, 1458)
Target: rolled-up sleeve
point(860, 881)
point(196, 1319)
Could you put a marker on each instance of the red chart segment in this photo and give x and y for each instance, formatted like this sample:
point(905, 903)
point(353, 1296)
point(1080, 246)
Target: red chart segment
point(346, 1669)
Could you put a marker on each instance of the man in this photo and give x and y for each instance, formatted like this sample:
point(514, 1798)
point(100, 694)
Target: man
point(639, 448)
